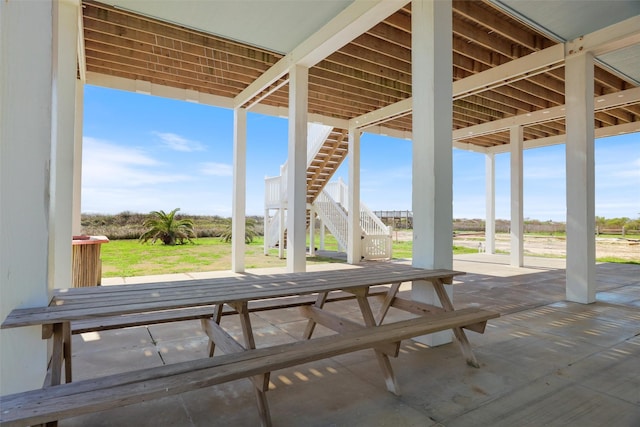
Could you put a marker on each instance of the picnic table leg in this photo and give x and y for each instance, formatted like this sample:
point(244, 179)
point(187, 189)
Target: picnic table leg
point(57, 356)
point(66, 333)
point(61, 354)
point(459, 333)
point(311, 324)
point(383, 359)
point(261, 382)
point(217, 316)
point(388, 301)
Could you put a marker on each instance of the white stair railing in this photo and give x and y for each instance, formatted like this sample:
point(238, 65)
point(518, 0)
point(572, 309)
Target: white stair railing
point(317, 134)
point(376, 242)
point(276, 187)
point(334, 217)
point(272, 191)
point(275, 191)
point(273, 233)
point(331, 206)
point(369, 222)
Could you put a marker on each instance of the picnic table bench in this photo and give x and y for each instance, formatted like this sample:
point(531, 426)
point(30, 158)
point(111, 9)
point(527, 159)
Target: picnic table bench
point(84, 309)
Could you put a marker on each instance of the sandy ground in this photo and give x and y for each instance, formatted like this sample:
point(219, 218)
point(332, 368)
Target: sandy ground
point(628, 249)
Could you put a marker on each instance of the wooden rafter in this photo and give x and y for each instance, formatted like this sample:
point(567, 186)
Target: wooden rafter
point(370, 72)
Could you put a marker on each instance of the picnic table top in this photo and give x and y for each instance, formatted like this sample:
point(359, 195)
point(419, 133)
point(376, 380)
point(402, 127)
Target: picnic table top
point(92, 302)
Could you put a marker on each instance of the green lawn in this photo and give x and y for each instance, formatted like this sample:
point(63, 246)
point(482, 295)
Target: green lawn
point(124, 258)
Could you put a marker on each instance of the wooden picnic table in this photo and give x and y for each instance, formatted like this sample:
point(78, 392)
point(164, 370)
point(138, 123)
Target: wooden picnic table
point(82, 304)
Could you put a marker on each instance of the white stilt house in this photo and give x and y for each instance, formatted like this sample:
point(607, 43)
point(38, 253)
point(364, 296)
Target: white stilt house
point(490, 76)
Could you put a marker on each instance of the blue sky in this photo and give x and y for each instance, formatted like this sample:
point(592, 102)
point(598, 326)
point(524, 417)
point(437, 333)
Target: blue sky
point(144, 153)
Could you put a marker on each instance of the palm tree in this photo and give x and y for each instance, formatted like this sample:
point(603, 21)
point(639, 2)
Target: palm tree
point(249, 231)
point(167, 228)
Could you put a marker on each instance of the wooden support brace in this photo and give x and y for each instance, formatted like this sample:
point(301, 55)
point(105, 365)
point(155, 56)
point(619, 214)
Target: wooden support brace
point(387, 302)
point(216, 317)
point(58, 354)
point(261, 381)
point(465, 346)
point(66, 350)
point(341, 325)
point(423, 309)
point(311, 324)
point(383, 359)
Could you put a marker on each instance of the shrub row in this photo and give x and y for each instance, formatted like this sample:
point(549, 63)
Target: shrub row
point(128, 225)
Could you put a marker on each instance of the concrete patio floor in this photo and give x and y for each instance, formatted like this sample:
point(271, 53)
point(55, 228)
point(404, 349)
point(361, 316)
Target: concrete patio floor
point(545, 362)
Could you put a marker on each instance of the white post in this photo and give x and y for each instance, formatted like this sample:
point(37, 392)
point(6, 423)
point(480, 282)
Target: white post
point(312, 231)
point(490, 196)
point(354, 245)
point(517, 226)
point(431, 56)
point(26, 134)
point(265, 232)
point(239, 189)
point(297, 169)
point(581, 275)
point(77, 161)
point(63, 116)
point(321, 235)
point(281, 230)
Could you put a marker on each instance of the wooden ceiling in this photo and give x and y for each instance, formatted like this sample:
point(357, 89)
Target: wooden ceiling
point(371, 72)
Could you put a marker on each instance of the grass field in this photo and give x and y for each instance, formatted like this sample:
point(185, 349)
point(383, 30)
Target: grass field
point(125, 258)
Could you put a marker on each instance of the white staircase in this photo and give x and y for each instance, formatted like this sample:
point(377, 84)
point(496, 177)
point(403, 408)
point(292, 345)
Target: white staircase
point(331, 207)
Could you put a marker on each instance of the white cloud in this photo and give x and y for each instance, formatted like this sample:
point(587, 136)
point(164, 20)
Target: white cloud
point(216, 169)
point(109, 166)
point(178, 143)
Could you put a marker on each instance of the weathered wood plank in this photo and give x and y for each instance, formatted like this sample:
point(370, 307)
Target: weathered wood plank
point(195, 313)
point(82, 397)
point(207, 293)
point(342, 325)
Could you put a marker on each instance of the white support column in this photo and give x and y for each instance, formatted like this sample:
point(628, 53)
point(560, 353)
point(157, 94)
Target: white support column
point(321, 235)
point(281, 230)
point(26, 52)
point(431, 56)
point(354, 245)
point(297, 169)
point(239, 189)
point(490, 195)
point(76, 226)
point(265, 232)
point(517, 214)
point(312, 231)
point(581, 275)
point(63, 116)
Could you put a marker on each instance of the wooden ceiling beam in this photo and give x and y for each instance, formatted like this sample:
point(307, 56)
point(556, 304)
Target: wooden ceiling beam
point(225, 88)
point(359, 53)
point(127, 21)
point(368, 71)
point(188, 52)
point(501, 24)
point(391, 34)
point(384, 48)
point(398, 91)
point(351, 22)
point(155, 78)
point(540, 85)
point(348, 91)
point(99, 51)
point(168, 67)
point(491, 42)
